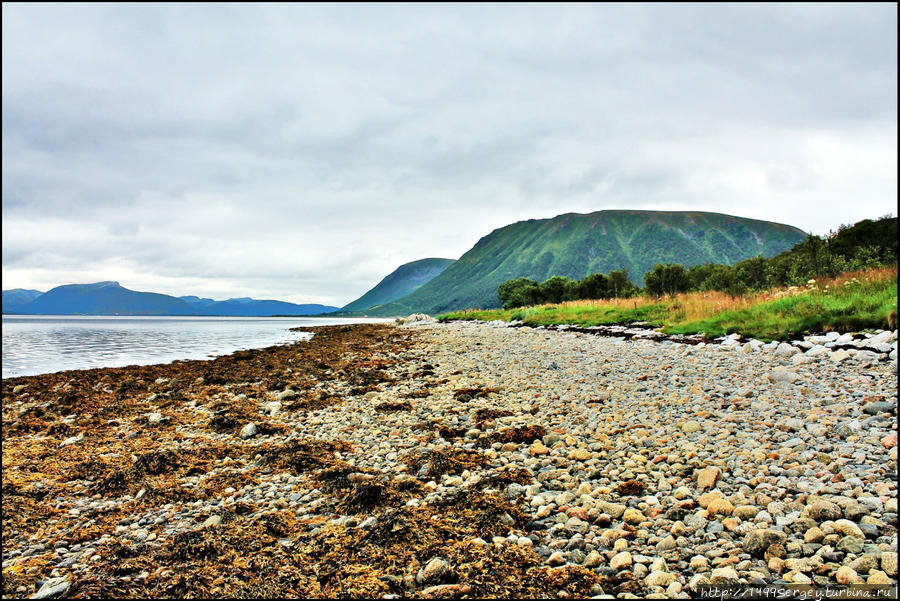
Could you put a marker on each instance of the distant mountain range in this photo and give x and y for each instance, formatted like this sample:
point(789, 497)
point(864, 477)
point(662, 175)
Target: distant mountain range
point(573, 245)
point(109, 298)
point(576, 245)
point(402, 281)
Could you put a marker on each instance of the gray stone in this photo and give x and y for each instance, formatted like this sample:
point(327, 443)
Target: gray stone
point(786, 350)
point(53, 587)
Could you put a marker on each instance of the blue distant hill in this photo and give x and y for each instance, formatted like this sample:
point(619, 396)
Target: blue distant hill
point(110, 298)
point(249, 307)
point(16, 298)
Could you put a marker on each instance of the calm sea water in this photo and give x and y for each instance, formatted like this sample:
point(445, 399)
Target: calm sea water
point(35, 344)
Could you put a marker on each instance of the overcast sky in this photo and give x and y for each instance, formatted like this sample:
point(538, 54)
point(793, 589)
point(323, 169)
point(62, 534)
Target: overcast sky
point(303, 152)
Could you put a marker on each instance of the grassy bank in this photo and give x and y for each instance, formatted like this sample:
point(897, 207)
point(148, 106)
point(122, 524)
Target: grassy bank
point(850, 302)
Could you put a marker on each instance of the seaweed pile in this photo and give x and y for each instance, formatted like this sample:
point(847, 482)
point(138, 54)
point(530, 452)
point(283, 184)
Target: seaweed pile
point(149, 481)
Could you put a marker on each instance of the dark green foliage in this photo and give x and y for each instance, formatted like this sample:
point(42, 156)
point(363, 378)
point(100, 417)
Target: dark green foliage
point(523, 292)
point(879, 236)
point(752, 273)
point(593, 286)
point(558, 289)
point(619, 284)
point(670, 278)
point(860, 246)
point(519, 293)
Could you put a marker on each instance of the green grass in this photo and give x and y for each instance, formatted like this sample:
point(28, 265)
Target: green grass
point(847, 304)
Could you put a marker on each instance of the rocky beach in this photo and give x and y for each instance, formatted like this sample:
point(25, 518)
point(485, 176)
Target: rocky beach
point(458, 460)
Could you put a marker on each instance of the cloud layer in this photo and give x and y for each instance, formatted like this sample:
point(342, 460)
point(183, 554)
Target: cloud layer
point(303, 152)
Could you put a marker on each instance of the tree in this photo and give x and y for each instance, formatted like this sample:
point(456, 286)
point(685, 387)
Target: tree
point(814, 249)
point(670, 278)
point(619, 284)
point(557, 289)
point(518, 293)
point(698, 274)
point(595, 285)
point(751, 273)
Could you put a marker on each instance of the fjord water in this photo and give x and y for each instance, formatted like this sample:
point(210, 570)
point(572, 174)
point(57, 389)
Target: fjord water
point(43, 344)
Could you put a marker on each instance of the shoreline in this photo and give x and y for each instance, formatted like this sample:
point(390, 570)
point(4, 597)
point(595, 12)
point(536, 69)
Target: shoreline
point(75, 343)
point(447, 460)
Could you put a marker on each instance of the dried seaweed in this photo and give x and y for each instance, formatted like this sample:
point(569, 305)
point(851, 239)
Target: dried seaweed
point(391, 406)
point(518, 434)
point(630, 488)
point(194, 453)
point(434, 463)
point(464, 395)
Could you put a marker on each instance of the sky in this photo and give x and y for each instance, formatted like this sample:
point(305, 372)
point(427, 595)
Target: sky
point(303, 152)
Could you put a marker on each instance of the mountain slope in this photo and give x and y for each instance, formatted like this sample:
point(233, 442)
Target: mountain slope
point(402, 281)
point(104, 298)
point(576, 245)
point(15, 299)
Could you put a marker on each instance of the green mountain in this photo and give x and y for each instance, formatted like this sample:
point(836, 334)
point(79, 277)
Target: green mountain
point(402, 281)
point(576, 245)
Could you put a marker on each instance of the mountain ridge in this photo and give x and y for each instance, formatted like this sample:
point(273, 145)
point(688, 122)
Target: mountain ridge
point(110, 298)
point(578, 244)
point(400, 282)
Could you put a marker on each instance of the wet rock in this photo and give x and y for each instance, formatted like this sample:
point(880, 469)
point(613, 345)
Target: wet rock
point(433, 570)
point(633, 516)
point(53, 587)
point(557, 559)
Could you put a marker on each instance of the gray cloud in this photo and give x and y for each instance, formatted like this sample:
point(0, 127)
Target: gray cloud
point(304, 151)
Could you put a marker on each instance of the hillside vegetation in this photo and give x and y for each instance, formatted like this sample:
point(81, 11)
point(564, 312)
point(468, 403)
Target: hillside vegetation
point(844, 281)
point(860, 246)
point(402, 281)
point(851, 302)
point(576, 245)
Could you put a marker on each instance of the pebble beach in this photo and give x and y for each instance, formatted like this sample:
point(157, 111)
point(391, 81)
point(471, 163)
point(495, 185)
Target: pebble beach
point(454, 460)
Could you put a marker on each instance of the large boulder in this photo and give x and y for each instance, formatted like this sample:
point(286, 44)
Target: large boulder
point(758, 541)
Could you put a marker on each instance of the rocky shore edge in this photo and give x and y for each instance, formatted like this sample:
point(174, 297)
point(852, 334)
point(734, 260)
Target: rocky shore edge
point(457, 460)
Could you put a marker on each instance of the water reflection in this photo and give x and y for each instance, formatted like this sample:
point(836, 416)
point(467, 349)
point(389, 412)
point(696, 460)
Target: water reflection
point(33, 345)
